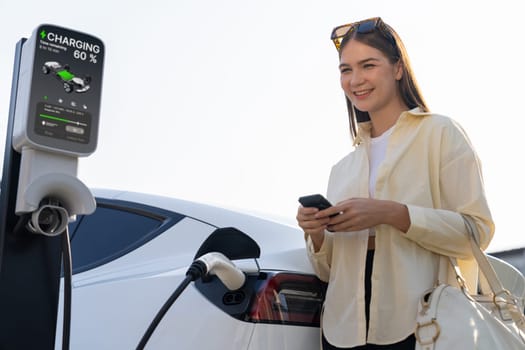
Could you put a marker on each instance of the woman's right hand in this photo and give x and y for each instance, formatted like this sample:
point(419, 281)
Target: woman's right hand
point(312, 225)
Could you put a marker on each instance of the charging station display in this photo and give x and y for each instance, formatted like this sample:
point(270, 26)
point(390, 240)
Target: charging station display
point(61, 75)
point(62, 123)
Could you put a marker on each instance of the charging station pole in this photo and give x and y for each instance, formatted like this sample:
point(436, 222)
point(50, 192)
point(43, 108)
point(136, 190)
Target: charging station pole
point(53, 120)
point(30, 264)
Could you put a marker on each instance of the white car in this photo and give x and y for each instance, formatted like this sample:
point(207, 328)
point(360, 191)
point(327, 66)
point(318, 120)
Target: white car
point(134, 251)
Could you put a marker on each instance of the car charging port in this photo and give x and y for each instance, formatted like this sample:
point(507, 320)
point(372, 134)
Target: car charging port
point(233, 298)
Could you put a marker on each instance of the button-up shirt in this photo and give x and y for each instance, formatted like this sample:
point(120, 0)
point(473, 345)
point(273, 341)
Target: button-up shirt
point(432, 168)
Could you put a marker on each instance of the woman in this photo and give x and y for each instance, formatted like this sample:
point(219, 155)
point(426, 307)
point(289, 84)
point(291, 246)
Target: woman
point(400, 196)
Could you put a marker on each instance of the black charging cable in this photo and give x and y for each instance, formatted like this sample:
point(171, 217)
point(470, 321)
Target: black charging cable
point(68, 274)
point(196, 270)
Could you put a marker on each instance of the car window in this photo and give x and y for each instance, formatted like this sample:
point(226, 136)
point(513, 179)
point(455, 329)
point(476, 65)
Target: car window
point(115, 229)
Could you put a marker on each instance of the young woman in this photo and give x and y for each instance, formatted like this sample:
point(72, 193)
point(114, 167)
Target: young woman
point(400, 196)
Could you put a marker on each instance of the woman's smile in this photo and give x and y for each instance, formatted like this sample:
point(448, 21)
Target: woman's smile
point(362, 94)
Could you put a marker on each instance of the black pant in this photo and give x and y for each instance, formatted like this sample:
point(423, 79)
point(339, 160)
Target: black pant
point(408, 343)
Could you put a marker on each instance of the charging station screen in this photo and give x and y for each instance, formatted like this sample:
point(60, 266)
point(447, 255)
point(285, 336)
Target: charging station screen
point(63, 123)
point(66, 89)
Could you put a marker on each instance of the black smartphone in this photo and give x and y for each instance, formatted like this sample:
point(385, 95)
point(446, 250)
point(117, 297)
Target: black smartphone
point(316, 201)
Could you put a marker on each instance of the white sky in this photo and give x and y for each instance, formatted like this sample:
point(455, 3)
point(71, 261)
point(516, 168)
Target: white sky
point(237, 103)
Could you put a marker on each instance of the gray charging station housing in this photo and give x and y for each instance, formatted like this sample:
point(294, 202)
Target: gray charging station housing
point(59, 92)
point(57, 117)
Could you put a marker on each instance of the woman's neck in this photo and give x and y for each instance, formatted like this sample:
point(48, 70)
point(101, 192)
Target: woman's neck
point(385, 119)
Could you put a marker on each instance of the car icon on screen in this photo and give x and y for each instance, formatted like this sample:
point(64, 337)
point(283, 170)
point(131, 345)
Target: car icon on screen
point(70, 81)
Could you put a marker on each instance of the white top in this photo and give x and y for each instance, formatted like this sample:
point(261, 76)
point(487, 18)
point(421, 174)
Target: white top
point(376, 154)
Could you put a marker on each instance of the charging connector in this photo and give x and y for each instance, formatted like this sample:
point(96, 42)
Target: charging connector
point(231, 276)
point(217, 263)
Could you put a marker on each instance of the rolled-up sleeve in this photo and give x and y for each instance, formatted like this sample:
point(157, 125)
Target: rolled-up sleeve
point(321, 260)
point(444, 232)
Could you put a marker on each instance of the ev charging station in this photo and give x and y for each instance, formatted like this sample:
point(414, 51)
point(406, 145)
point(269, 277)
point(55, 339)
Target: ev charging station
point(53, 120)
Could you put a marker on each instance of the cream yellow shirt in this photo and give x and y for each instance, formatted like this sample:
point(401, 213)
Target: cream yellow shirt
point(432, 168)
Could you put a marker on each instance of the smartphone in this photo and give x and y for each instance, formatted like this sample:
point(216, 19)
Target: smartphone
point(316, 201)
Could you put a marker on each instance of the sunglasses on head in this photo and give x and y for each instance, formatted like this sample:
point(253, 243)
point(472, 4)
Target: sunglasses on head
point(362, 27)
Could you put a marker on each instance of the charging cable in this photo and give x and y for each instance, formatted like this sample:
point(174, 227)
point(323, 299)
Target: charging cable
point(231, 276)
point(68, 274)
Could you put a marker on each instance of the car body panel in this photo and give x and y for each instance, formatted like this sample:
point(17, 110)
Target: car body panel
point(270, 336)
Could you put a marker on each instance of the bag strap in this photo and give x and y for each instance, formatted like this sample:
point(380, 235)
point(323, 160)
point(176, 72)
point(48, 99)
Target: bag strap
point(502, 298)
point(482, 260)
point(487, 271)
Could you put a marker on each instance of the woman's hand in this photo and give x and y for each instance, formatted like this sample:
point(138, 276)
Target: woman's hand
point(313, 222)
point(357, 214)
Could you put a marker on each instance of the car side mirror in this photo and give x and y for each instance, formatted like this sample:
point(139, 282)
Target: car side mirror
point(231, 242)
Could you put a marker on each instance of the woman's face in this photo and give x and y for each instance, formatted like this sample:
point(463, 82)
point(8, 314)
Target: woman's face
point(368, 78)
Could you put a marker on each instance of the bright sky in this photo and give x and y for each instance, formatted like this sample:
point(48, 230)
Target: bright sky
point(237, 103)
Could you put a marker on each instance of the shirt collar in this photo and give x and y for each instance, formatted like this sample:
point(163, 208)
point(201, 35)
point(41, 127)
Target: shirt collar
point(364, 128)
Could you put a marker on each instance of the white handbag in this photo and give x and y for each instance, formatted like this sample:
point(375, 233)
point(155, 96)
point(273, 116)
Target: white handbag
point(450, 318)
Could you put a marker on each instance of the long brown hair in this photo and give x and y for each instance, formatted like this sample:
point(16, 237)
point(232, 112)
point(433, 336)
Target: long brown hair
point(395, 51)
